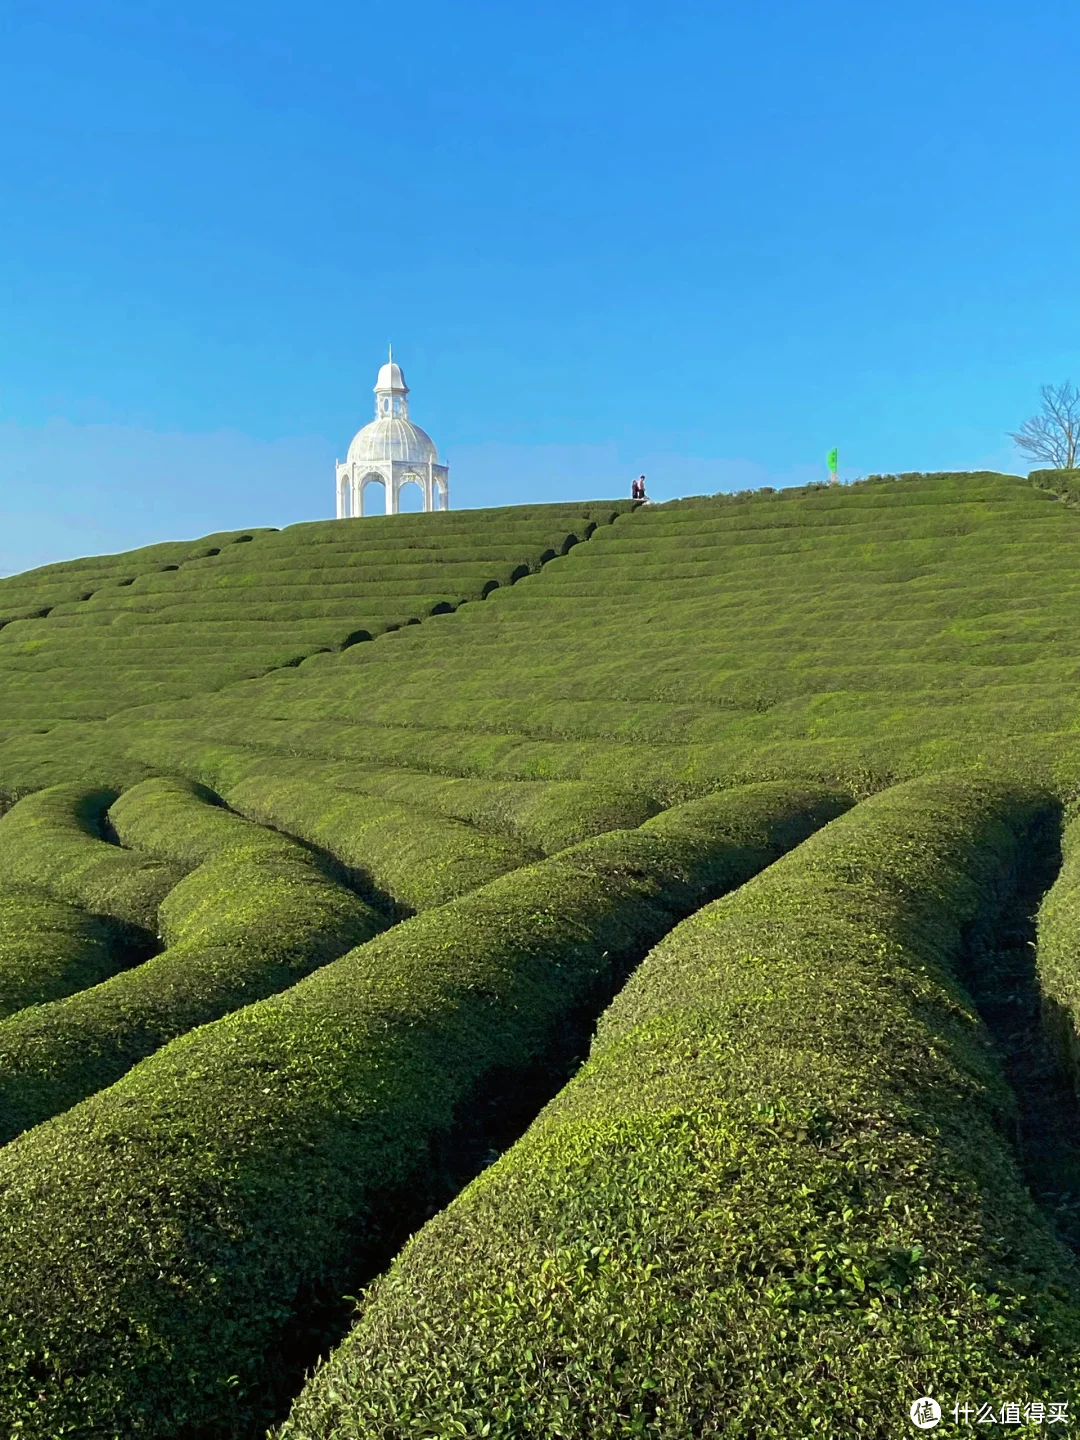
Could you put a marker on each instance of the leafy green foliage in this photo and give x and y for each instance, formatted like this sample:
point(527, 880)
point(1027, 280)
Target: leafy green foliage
point(542, 816)
point(256, 913)
point(417, 859)
point(52, 839)
point(779, 1199)
point(1058, 955)
point(1065, 483)
point(157, 1241)
point(49, 949)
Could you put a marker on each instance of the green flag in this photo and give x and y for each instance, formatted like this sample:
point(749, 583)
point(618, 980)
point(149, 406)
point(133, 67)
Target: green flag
point(831, 460)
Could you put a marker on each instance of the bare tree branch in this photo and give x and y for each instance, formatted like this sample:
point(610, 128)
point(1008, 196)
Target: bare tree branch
point(1053, 434)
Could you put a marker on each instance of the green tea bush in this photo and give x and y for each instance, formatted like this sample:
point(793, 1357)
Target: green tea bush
point(1058, 952)
point(159, 1243)
point(1065, 483)
point(401, 527)
point(49, 949)
point(52, 839)
point(35, 591)
point(185, 822)
point(778, 1200)
point(144, 620)
point(350, 558)
point(414, 858)
point(278, 587)
point(544, 816)
point(256, 913)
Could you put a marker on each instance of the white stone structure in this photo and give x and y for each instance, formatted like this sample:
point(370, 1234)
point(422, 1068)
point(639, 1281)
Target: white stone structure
point(391, 451)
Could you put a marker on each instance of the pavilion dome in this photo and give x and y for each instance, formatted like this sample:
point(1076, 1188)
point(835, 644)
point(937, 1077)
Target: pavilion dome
point(392, 438)
point(391, 380)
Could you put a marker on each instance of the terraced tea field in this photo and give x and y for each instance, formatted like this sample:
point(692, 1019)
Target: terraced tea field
point(558, 971)
point(183, 619)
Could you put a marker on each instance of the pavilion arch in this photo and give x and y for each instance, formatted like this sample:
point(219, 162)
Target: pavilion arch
point(365, 506)
point(344, 495)
point(411, 499)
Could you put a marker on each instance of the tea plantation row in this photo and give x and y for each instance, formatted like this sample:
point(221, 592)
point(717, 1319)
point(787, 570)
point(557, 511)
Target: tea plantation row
point(255, 913)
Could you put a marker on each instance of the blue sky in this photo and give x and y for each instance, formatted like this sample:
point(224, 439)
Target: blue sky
point(706, 241)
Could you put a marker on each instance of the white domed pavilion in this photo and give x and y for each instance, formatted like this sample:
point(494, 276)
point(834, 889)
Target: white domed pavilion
point(391, 452)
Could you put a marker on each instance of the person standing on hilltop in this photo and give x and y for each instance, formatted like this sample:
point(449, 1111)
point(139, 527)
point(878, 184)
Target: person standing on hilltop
point(637, 489)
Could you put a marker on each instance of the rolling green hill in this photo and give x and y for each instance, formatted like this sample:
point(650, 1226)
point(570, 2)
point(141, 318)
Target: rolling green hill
point(685, 856)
